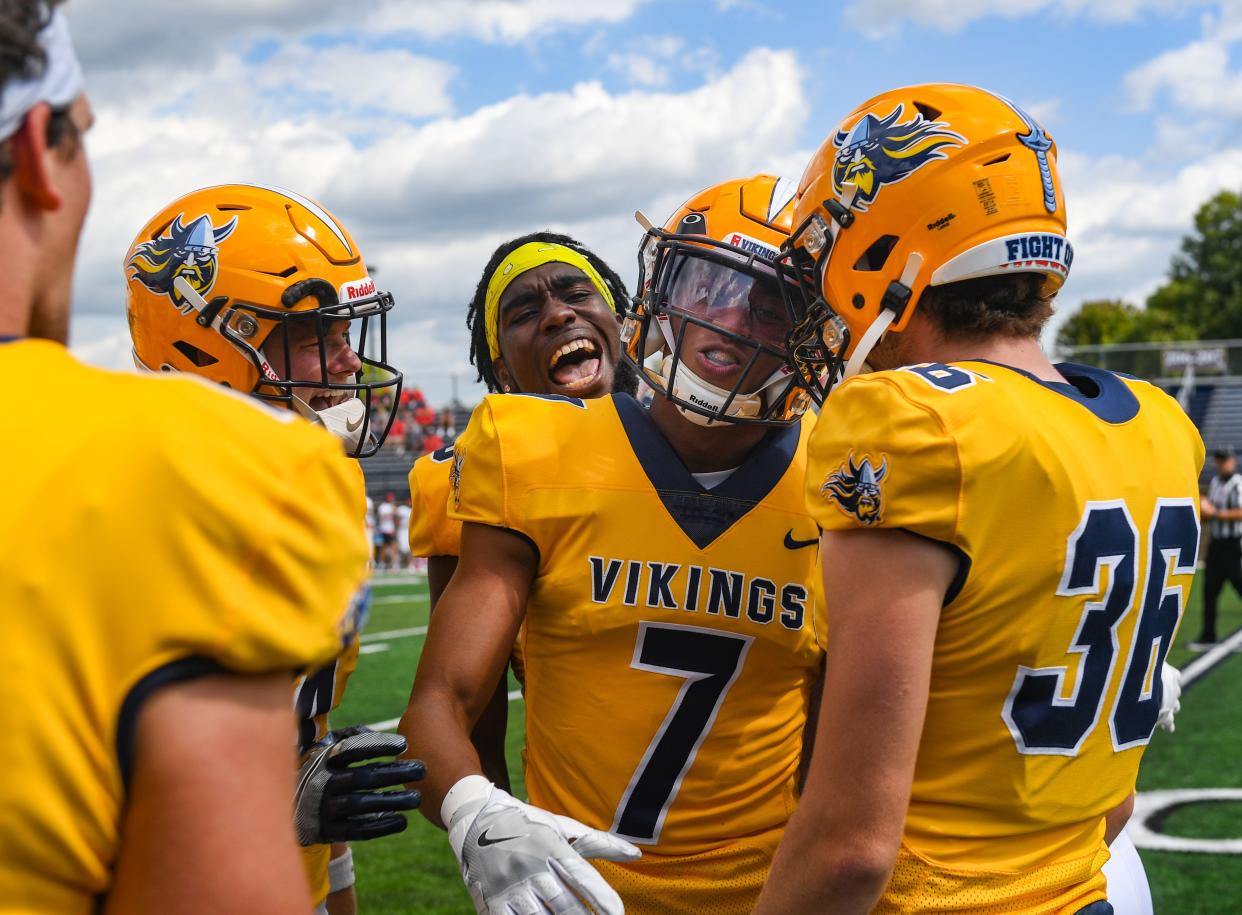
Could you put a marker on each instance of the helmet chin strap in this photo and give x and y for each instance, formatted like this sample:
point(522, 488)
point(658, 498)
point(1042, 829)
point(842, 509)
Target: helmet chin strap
point(867, 343)
point(871, 336)
point(346, 421)
point(690, 387)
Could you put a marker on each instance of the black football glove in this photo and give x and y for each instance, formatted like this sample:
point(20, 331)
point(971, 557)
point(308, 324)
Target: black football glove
point(337, 801)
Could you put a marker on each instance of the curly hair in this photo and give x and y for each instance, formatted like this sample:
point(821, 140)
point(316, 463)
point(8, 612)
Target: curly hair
point(480, 356)
point(22, 57)
point(1017, 305)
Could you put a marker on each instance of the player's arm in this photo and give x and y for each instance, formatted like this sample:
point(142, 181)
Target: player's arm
point(209, 832)
point(488, 735)
point(814, 701)
point(842, 840)
point(469, 639)
point(1115, 820)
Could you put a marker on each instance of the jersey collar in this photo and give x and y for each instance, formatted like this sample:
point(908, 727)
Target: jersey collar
point(704, 514)
point(1099, 390)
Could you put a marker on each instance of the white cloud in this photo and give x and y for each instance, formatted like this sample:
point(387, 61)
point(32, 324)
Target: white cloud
point(882, 17)
point(351, 78)
point(496, 21)
point(1126, 221)
point(652, 60)
point(181, 34)
point(1196, 77)
point(428, 200)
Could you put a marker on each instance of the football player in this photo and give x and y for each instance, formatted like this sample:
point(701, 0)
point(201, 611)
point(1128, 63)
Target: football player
point(660, 562)
point(1011, 541)
point(263, 290)
point(566, 341)
point(162, 571)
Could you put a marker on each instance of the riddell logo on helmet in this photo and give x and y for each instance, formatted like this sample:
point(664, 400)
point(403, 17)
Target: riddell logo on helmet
point(358, 289)
point(703, 403)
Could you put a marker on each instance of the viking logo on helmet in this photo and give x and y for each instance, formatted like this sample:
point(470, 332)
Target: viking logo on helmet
point(856, 488)
point(189, 251)
point(880, 151)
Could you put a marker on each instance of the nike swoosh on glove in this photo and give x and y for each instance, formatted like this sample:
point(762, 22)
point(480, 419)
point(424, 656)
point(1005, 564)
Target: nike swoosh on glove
point(337, 801)
point(1170, 697)
point(520, 860)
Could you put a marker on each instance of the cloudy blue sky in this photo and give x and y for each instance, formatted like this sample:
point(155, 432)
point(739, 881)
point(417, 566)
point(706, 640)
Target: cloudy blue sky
point(434, 129)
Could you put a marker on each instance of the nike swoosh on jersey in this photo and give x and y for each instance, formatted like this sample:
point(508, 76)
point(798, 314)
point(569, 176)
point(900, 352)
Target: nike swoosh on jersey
point(791, 544)
point(484, 841)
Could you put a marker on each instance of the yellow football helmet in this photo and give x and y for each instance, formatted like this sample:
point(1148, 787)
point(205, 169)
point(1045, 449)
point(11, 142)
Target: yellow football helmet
point(921, 186)
point(221, 274)
point(709, 275)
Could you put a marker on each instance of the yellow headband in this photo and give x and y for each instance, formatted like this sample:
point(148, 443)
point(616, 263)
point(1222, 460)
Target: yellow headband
point(520, 260)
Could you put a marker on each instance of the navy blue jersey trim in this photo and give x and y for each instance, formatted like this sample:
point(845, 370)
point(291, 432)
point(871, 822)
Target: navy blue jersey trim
point(9, 338)
point(963, 565)
point(1099, 390)
point(705, 514)
point(179, 671)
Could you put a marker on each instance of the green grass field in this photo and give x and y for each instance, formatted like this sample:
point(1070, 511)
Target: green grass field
point(415, 874)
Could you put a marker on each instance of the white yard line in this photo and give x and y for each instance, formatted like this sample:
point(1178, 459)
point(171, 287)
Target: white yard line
point(1210, 658)
point(392, 634)
point(374, 648)
point(394, 599)
point(391, 723)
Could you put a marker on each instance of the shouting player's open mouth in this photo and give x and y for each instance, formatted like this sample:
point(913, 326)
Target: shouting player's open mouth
point(575, 365)
point(719, 363)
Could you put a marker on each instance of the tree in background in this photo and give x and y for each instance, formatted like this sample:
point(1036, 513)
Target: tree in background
point(1202, 298)
point(1205, 282)
point(1114, 321)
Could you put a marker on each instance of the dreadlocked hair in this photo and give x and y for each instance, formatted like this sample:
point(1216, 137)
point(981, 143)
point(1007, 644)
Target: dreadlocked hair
point(476, 320)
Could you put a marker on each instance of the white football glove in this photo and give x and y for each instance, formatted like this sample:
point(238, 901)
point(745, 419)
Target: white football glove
point(519, 860)
point(1170, 699)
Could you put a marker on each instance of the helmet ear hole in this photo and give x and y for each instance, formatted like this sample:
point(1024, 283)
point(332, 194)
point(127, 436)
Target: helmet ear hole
point(692, 224)
point(876, 255)
point(199, 357)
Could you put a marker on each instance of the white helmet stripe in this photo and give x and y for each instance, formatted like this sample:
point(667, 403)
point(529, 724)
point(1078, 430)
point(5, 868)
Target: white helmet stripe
point(314, 208)
point(782, 192)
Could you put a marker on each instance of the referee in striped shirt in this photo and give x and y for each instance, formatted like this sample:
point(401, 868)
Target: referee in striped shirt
point(1222, 510)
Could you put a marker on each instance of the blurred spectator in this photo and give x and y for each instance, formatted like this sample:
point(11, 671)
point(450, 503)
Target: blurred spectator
point(403, 532)
point(414, 438)
point(417, 427)
point(370, 523)
point(397, 432)
point(386, 522)
point(446, 428)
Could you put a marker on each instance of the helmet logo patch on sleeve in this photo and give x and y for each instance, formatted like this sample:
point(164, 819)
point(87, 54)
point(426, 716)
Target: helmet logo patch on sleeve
point(189, 251)
point(879, 151)
point(459, 458)
point(856, 488)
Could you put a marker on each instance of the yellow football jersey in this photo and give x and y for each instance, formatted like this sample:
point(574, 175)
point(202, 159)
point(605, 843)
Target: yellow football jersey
point(671, 636)
point(1074, 510)
point(432, 531)
point(148, 539)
